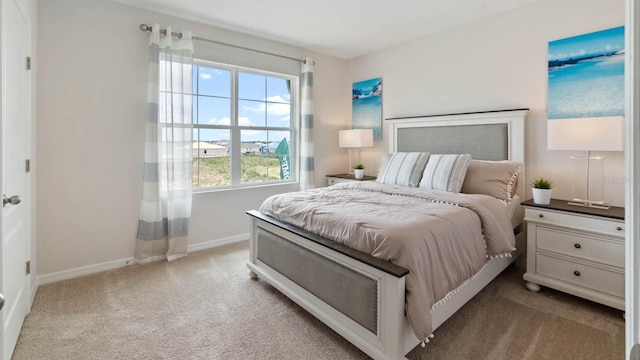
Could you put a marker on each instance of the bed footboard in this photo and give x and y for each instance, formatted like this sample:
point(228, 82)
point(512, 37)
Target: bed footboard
point(358, 296)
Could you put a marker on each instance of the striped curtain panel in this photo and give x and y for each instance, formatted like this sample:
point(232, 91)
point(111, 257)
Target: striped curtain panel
point(165, 209)
point(306, 127)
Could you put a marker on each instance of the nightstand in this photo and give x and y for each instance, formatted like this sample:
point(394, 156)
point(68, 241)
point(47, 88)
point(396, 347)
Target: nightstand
point(577, 250)
point(338, 178)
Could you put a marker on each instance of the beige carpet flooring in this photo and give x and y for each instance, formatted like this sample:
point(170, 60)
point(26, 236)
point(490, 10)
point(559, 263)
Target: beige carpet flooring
point(205, 306)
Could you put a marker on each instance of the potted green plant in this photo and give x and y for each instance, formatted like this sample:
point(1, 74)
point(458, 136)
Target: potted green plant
point(358, 170)
point(541, 189)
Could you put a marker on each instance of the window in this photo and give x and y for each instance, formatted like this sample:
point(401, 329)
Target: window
point(242, 126)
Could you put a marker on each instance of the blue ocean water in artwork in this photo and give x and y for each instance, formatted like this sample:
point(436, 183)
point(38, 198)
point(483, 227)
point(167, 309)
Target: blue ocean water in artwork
point(367, 114)
point(589, 88)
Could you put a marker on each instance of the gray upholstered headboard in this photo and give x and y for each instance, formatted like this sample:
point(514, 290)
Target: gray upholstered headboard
point(483, 142)
point(491, 135)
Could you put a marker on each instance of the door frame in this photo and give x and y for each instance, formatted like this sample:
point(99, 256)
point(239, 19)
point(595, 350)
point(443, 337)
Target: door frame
point(632, 188)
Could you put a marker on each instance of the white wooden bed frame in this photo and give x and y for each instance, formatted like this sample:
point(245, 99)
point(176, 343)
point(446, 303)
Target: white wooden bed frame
point(394, 338)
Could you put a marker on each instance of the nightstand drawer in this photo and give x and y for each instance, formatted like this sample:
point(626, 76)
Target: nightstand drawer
point(576, 221)
point(333, 181)
point(581, 245)
point(340, 178)
point(607, 281)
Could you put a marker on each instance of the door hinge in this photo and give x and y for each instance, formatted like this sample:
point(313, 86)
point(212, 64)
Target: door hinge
point(28, 62)
point(27, 165)
point(28, 267)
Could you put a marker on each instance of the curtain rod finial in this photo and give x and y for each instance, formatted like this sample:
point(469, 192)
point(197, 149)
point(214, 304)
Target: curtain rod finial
point(145, 27)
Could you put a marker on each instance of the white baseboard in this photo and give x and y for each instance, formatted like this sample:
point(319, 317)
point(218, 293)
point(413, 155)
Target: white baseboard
point(218, 242)
point(115, 264)
point(84, 270)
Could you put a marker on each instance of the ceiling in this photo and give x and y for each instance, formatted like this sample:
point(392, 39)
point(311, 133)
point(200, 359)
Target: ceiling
point(341, 28)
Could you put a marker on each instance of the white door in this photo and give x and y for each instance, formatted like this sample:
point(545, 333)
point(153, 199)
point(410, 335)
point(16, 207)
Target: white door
point(15, 146)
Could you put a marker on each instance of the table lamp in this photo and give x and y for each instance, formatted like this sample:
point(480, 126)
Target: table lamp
point(355, 139)
point(587, 134)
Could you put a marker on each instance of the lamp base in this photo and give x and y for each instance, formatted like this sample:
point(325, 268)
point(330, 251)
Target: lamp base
point(589, 204)
point(598, 185)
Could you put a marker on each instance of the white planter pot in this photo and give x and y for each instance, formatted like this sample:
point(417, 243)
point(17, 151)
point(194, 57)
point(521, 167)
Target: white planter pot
point(359, 173)
point(541, 196)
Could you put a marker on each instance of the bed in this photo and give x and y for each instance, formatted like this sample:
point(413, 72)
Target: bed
point(360, 296)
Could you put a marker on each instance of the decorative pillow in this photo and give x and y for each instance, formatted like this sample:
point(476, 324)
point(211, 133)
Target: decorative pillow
point(496, 178)
point(384, 161)
point(403, 168)
point(445, 172)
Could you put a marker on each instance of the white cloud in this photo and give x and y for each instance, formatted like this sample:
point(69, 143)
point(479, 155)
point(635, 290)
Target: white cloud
point(567, 55)
point(244, 121)
point(274, 106)
point(278, 109)
point(258, 108)
point(223, 121)
point(278, 98)
point(581, 52)
point(207, 73)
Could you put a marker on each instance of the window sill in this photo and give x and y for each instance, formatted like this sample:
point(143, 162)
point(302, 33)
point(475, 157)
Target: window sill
point(244, 187)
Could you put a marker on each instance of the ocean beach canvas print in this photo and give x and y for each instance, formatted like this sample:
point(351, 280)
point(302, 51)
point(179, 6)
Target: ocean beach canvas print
point(586, 75)
point(367, 106)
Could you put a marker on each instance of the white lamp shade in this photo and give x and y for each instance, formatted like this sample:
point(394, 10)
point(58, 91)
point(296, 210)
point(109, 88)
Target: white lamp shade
point(355, 138)
point(596, 134)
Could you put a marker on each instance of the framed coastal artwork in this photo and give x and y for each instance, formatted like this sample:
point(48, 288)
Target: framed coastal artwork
point(367, 106)
point(586, 75)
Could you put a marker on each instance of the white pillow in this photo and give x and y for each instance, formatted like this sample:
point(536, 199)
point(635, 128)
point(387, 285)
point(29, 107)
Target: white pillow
point(445, 172)
point(403, 168)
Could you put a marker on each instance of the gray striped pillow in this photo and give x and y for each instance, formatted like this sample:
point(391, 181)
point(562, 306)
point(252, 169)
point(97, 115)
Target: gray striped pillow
point(445, 172)
point(403, 168)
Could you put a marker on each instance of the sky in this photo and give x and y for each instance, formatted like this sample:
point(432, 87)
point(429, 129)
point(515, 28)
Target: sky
point(365, 86)
point(588, 44)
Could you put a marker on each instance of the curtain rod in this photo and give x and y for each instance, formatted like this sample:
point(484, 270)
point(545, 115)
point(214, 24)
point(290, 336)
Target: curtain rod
point(145, 27)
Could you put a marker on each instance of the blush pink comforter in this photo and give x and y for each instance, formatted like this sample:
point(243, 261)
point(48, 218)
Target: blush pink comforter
point(443, 238)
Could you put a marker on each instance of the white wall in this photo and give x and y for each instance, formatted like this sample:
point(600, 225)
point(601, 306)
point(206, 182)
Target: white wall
point(495, 63)
point(91, 111)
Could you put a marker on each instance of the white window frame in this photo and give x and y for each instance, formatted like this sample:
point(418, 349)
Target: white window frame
point(235, 129)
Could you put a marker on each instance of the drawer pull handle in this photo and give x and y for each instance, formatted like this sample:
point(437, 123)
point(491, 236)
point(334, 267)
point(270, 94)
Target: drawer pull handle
point(578, 246)
point(541, 215)
point(619, 228)
point(576, 273)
